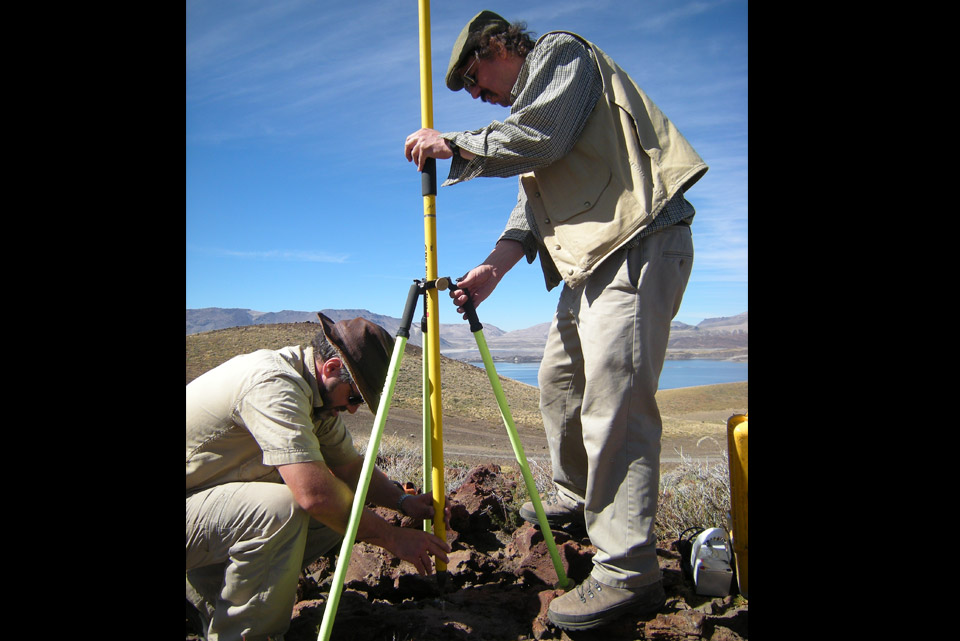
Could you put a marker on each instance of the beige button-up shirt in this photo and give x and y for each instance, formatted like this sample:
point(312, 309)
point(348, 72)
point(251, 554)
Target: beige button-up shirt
point(255, 412)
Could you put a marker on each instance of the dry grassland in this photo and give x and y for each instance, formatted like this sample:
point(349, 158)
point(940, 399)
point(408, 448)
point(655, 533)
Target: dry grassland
point(694, 418)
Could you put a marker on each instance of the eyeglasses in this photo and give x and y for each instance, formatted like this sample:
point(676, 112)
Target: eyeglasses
point(468, 80)
point(355, 400)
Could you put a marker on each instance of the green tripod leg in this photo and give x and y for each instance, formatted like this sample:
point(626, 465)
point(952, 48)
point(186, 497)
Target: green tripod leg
point(562, 581)
point(366, 472)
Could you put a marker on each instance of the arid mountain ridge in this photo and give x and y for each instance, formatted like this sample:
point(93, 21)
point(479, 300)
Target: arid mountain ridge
point(723, 338)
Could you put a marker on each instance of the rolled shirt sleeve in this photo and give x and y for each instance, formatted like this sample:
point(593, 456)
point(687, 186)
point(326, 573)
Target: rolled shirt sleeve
point(277, 414)
point(279, 417)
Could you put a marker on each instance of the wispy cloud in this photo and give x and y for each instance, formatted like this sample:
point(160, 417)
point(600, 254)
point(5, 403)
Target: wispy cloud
point(718, 265)
point(282, 71)
point(658, 21)
point(284, 255)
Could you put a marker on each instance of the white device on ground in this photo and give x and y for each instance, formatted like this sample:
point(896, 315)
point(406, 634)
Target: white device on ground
point(710, 562)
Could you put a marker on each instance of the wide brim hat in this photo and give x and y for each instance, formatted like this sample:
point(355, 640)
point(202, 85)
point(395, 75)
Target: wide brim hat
point(468, 40)
point(366, 349)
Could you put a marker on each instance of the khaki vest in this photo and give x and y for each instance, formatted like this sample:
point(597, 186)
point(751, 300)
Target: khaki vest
point(628, 162)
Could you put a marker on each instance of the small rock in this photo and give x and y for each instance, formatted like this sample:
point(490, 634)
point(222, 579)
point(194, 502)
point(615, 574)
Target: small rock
point(541, 624)
point(721, 633)
point(707, 608)
point(680, 626)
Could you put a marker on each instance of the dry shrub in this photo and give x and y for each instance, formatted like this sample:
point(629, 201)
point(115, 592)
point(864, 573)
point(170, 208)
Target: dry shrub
point(694, 494)
point(402, 460)
point(542, 474)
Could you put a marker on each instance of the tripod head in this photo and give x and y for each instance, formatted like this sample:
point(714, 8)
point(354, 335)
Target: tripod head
point(417, 289)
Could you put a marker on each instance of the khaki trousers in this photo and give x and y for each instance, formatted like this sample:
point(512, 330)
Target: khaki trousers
point(246, 546)
point(599, 374)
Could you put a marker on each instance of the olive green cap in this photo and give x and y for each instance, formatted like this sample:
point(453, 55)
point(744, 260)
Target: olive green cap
point(467, 41)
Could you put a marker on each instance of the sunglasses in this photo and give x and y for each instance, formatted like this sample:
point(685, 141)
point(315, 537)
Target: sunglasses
point(352, 400)
point(468, 80)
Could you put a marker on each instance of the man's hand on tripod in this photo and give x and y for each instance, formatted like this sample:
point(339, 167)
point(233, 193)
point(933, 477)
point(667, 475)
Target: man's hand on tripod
point(475, 286)
point(484, 278)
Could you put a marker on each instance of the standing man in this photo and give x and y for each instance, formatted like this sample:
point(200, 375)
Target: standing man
point(603, 175)
point(271, 474)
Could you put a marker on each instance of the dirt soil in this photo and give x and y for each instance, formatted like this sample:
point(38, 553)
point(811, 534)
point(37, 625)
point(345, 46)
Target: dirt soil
point(497, 586)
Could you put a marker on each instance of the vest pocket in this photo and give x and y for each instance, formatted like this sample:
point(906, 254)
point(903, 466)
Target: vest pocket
point(573, 186)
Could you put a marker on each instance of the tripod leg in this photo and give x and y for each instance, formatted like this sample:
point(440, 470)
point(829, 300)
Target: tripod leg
point(562, 581)
point(366, 472)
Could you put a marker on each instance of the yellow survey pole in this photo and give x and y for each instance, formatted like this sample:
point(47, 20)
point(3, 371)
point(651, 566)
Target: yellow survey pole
point(431, 349)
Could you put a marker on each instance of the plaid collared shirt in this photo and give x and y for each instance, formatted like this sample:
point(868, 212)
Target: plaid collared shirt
point(558, 86)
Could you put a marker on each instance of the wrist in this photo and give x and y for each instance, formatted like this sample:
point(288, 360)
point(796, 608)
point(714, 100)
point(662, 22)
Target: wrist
point(400, 501)
point(374, 529)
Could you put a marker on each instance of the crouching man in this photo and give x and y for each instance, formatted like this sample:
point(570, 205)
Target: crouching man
point(271, 474)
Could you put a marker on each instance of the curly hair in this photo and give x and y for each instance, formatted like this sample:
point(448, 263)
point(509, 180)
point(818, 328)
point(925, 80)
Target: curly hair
point(514, 38)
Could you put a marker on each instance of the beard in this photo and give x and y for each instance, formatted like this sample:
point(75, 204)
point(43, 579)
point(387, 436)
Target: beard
point(326, 388)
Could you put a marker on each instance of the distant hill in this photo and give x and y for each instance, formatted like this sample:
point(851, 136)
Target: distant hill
point(723, 338)
point(735, 324)
point(465, 387)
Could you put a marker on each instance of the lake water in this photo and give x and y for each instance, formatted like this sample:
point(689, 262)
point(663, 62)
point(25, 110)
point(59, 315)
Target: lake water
point(675, 373)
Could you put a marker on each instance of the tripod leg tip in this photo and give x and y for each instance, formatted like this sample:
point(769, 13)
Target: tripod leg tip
point(569, 584)
point(442, 579)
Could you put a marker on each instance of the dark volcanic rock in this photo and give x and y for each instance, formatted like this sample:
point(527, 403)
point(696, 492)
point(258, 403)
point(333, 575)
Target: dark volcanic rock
point(498, 585)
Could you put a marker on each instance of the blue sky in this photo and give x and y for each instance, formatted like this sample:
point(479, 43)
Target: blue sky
point(298, 195)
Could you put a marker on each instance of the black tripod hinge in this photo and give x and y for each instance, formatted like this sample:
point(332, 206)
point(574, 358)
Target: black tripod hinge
point(408, 309)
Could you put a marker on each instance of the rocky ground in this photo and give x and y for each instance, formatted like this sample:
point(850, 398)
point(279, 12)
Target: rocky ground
point(497, 586)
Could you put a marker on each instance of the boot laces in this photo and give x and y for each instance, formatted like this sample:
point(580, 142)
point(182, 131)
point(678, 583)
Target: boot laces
point(586, 589)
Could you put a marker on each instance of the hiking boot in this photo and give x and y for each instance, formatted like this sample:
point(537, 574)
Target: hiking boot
point(558, 513)
point(593, 604)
